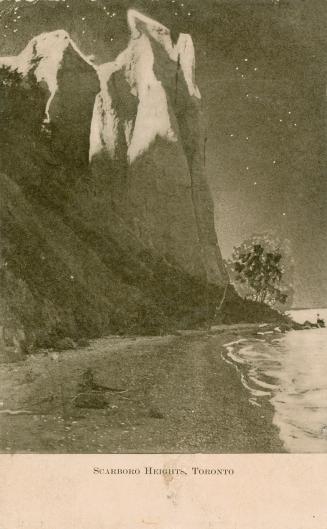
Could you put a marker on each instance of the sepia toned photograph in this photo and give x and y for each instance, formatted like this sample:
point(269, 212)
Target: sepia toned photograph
point(163, 219)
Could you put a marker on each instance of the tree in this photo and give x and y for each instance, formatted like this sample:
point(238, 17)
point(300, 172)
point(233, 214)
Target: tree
point(22, 100)
point(261, 269)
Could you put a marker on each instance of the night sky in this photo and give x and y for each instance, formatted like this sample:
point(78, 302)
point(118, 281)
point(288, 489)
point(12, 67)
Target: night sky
point(261, 69)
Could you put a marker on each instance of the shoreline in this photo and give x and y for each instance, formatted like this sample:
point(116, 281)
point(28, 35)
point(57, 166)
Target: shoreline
point(169, 394)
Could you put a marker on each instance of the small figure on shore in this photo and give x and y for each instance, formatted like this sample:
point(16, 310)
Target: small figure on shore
point(320, 321)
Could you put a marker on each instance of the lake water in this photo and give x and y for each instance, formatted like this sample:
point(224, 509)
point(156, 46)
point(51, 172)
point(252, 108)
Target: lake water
point(292, 372)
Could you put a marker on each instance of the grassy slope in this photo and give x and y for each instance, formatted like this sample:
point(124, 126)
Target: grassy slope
point(62, 277)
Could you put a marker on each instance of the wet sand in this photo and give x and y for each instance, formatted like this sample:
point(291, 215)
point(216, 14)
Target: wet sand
point(175, 394)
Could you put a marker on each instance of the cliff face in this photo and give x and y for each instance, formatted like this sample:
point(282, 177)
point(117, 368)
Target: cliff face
point(106, 218)
point(146, 129)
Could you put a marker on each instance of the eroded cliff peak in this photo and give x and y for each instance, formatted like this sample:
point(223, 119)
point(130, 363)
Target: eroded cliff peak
point(44, 56)
point(181, 52)
point(152, 68)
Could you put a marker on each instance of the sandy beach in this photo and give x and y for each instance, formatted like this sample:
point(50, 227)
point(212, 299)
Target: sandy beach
point(172, 394)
